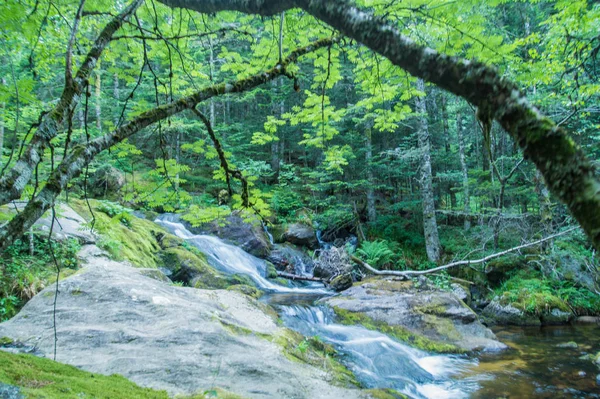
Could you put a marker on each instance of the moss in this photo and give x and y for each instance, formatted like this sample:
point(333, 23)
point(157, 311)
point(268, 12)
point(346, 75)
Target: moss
point(169, 241)
point(5, 341)
point(43, 378)
point(315, 352)
point(385, 394)
point(400, 333)
point(192, 268)
point(247, 290)
point(213, 393)
point(271, 271)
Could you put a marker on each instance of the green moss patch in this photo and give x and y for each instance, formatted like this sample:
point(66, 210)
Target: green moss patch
point(313, 351)
point(400, 333)
point(385, 394)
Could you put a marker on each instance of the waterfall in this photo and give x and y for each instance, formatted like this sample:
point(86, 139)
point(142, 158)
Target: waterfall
point(379, 361)
point(228, 258)
point(266, 229)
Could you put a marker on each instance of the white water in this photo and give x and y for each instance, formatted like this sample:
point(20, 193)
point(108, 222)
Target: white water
point(377, 360)
point(230, 259)
point(381, 362)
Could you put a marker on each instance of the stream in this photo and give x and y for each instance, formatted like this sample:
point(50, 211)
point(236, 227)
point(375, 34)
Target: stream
point(533, 366)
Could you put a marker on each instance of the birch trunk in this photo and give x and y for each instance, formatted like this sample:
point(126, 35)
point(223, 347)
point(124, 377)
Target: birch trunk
point(464, 170)
point(432, 241)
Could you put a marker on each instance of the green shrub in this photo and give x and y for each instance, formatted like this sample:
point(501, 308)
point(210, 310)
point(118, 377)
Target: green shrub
point(286, 202)
point(376, 253)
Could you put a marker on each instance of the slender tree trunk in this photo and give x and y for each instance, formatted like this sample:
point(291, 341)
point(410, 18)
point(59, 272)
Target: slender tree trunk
point(464, 170)
point(2, 111)
point(98, 99)
point(116, 96)
point(545, 203)
point(371, 210)
point(432, 241)
point(212, 69)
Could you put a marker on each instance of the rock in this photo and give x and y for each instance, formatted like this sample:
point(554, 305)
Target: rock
point(332, 262)
point(588, 320)
point(301, 234)
point(68, 225)
point(427, 317)
point(581, 374)
point(168, 337)
point(10, 392)
point(105, 181)
point(598, 379)
point(461, 293)
point(567, 345)
point(192, 269)
point(556, 316)
point(288, 257)
point(167, 240)
point(155, 274)
point(248, 236)
point(341, 282)
point(496, 313)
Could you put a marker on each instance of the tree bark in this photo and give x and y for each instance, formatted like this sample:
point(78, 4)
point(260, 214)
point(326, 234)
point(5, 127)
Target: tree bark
point(464, 170)
point(98, 98)
point(371, 209)
point(432, 241)
point(568, 173)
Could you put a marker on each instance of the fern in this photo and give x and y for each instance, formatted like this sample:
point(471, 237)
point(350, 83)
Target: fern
point(376, 253)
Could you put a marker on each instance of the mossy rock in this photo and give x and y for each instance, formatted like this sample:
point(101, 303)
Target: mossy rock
point(313, 351)
point(277, 231)
point(385, 394)
point(192, 269)
point(167, 240)
point(247, 290)
point(271, 271)
point(400, 333)
point(42, 378)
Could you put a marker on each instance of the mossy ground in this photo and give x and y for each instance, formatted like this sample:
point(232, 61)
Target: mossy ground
point(42, 378)
point(402, 334)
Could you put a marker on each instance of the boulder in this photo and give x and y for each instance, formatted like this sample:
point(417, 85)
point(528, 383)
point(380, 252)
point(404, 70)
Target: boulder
point(183, 340)
point(426, 317)
point(497, 313)
point(105, 181)
point(301, 234)
point(68, 225)
point(341, 282)
point(557, 316)
point(567, 345)
point(248, 236)
point(290, 258)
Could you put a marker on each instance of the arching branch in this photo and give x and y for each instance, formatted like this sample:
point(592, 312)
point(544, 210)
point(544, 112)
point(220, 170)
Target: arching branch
point(568, 173)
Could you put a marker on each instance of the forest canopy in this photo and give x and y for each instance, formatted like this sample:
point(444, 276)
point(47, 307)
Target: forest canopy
point(359, 110)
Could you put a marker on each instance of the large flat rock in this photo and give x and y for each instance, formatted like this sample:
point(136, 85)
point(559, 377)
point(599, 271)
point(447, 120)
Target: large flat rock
point(437, 315)
point(110, 318)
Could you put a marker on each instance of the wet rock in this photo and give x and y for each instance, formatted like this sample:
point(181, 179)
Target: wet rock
point(290, 258)
point(10, 392)
point(167, 337)
point(301, 234)
point(341, 282)
point(246, 235)
point(567, 345)
point(427, 317)
point(588, 320)
point(496, 313)
point(556, 316)
point(598, 379)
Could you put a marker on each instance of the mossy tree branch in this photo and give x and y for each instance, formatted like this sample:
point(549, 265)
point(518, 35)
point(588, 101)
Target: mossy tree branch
point(568, 173)
point(83, 153)
point(14, 181)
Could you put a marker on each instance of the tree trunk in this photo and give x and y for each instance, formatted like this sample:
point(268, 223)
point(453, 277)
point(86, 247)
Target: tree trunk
point(98, 99)
point(432, 241)
point(371, 210)
point(464, 170)
point(545, 203)
point(2, 111)
point(116, 96)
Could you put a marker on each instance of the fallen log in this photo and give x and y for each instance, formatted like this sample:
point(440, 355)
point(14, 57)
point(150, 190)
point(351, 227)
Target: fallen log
point(407, 273)
point(291, 276)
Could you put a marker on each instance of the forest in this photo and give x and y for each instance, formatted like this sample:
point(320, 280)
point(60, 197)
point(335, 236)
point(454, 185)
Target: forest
point(299, 199)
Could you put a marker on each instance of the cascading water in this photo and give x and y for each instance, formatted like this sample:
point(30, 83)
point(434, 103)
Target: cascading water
point(227, 258)
point(377, 360)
